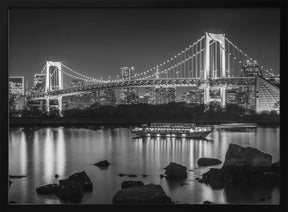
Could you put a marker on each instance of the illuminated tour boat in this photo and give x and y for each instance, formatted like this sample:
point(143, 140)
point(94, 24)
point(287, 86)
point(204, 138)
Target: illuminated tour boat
point(183, 130)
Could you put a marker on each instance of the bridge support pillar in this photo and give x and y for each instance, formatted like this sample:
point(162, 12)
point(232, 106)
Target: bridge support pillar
point(223, 96)
point(60, 107)
point(48, 104)
point(206, 95)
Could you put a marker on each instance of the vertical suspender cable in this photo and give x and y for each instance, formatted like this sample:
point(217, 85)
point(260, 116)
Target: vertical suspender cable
point(228, 59)
point(216, 49)
point(200, 57)
point(196, 70)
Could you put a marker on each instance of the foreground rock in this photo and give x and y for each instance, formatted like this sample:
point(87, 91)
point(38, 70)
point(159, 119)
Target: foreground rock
point(69, 190)
point(208, 161)
point(243, 167)
point(248, 156)
point(146, 194)
point(83, 179)
point(48, 189)
point(176, 171)
point(103, 164)
point(129, 184)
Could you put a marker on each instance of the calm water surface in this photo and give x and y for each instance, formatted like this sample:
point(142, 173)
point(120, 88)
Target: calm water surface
point(40, 153)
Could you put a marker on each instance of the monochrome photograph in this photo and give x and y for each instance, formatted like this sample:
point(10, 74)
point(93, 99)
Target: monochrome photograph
point(143, 106)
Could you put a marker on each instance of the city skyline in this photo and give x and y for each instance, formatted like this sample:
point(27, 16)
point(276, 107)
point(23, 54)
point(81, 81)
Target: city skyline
point(100, 43)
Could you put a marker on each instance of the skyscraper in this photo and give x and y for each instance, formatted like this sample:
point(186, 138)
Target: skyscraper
point(128, 95)
point(109, 96)
point(16, 92)
point(163, 95)
point(39, 82)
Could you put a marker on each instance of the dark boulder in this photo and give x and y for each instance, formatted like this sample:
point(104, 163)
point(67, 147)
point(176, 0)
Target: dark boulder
point(243, 167)
point(121, 175)
point(207, 202)
point(208, 161)
point(176, 171)
point(103, 164)
point(10, 182)
point(144, 175)
point(161, 176)
point(246, 156)
point(12, 202)
point(214, 177)
point(132, 175)
point(70, 191)
point(146, 194)
point(83, 179)
point(275, 166)
point(128, 184)
point(48, 189)
point(56, 175)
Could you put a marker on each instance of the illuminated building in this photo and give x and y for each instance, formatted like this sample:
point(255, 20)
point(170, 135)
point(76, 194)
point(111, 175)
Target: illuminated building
point(77, 82)
point(16, 92)
point(193, 96)
point(163, 95)
point(109, 97)
point(39, 82)
point(128, 95)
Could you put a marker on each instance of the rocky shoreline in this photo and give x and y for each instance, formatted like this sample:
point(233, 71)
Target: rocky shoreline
point(243, 167)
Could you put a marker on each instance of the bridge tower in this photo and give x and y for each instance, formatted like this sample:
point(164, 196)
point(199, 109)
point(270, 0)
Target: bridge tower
point(219, 38)
point(56, 78)
point(54, 81)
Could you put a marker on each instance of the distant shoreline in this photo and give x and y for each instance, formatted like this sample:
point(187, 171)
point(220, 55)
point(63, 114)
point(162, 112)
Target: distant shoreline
point(36, 122)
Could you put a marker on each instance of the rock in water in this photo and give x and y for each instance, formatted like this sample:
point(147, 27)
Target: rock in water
point(243, 167)
point(70, 191)
point(208, 161)
point(276, 166)
point(129, 184)
point(83, 179)
point(176, 171)
point(48, 189)
point(146, 194)
point(246, 156)
point(214, 177)
point(207, 202)
point(103, 164)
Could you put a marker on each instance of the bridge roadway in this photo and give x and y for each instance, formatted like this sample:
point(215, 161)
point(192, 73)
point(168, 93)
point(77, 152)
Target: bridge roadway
point(228, 82)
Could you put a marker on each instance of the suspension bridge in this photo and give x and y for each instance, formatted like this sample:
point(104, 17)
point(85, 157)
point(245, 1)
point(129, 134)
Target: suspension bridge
point(211, 62)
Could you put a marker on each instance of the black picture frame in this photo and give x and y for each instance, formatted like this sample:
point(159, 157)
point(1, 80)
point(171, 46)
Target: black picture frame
point(9, 4)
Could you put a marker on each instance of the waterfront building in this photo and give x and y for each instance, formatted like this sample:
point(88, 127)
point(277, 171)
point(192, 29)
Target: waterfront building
point(251, 68)
point(109, 97)
point(128, 95)
point(39, 82)
point(164, 95)
point(193, 97)
point(143, 99)
point(16, 92)
point(77, 82)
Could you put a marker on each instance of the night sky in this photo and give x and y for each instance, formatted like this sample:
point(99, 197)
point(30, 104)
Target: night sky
point(97, 42)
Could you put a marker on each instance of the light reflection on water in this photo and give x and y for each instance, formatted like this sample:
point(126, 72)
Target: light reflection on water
point(40, 153)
